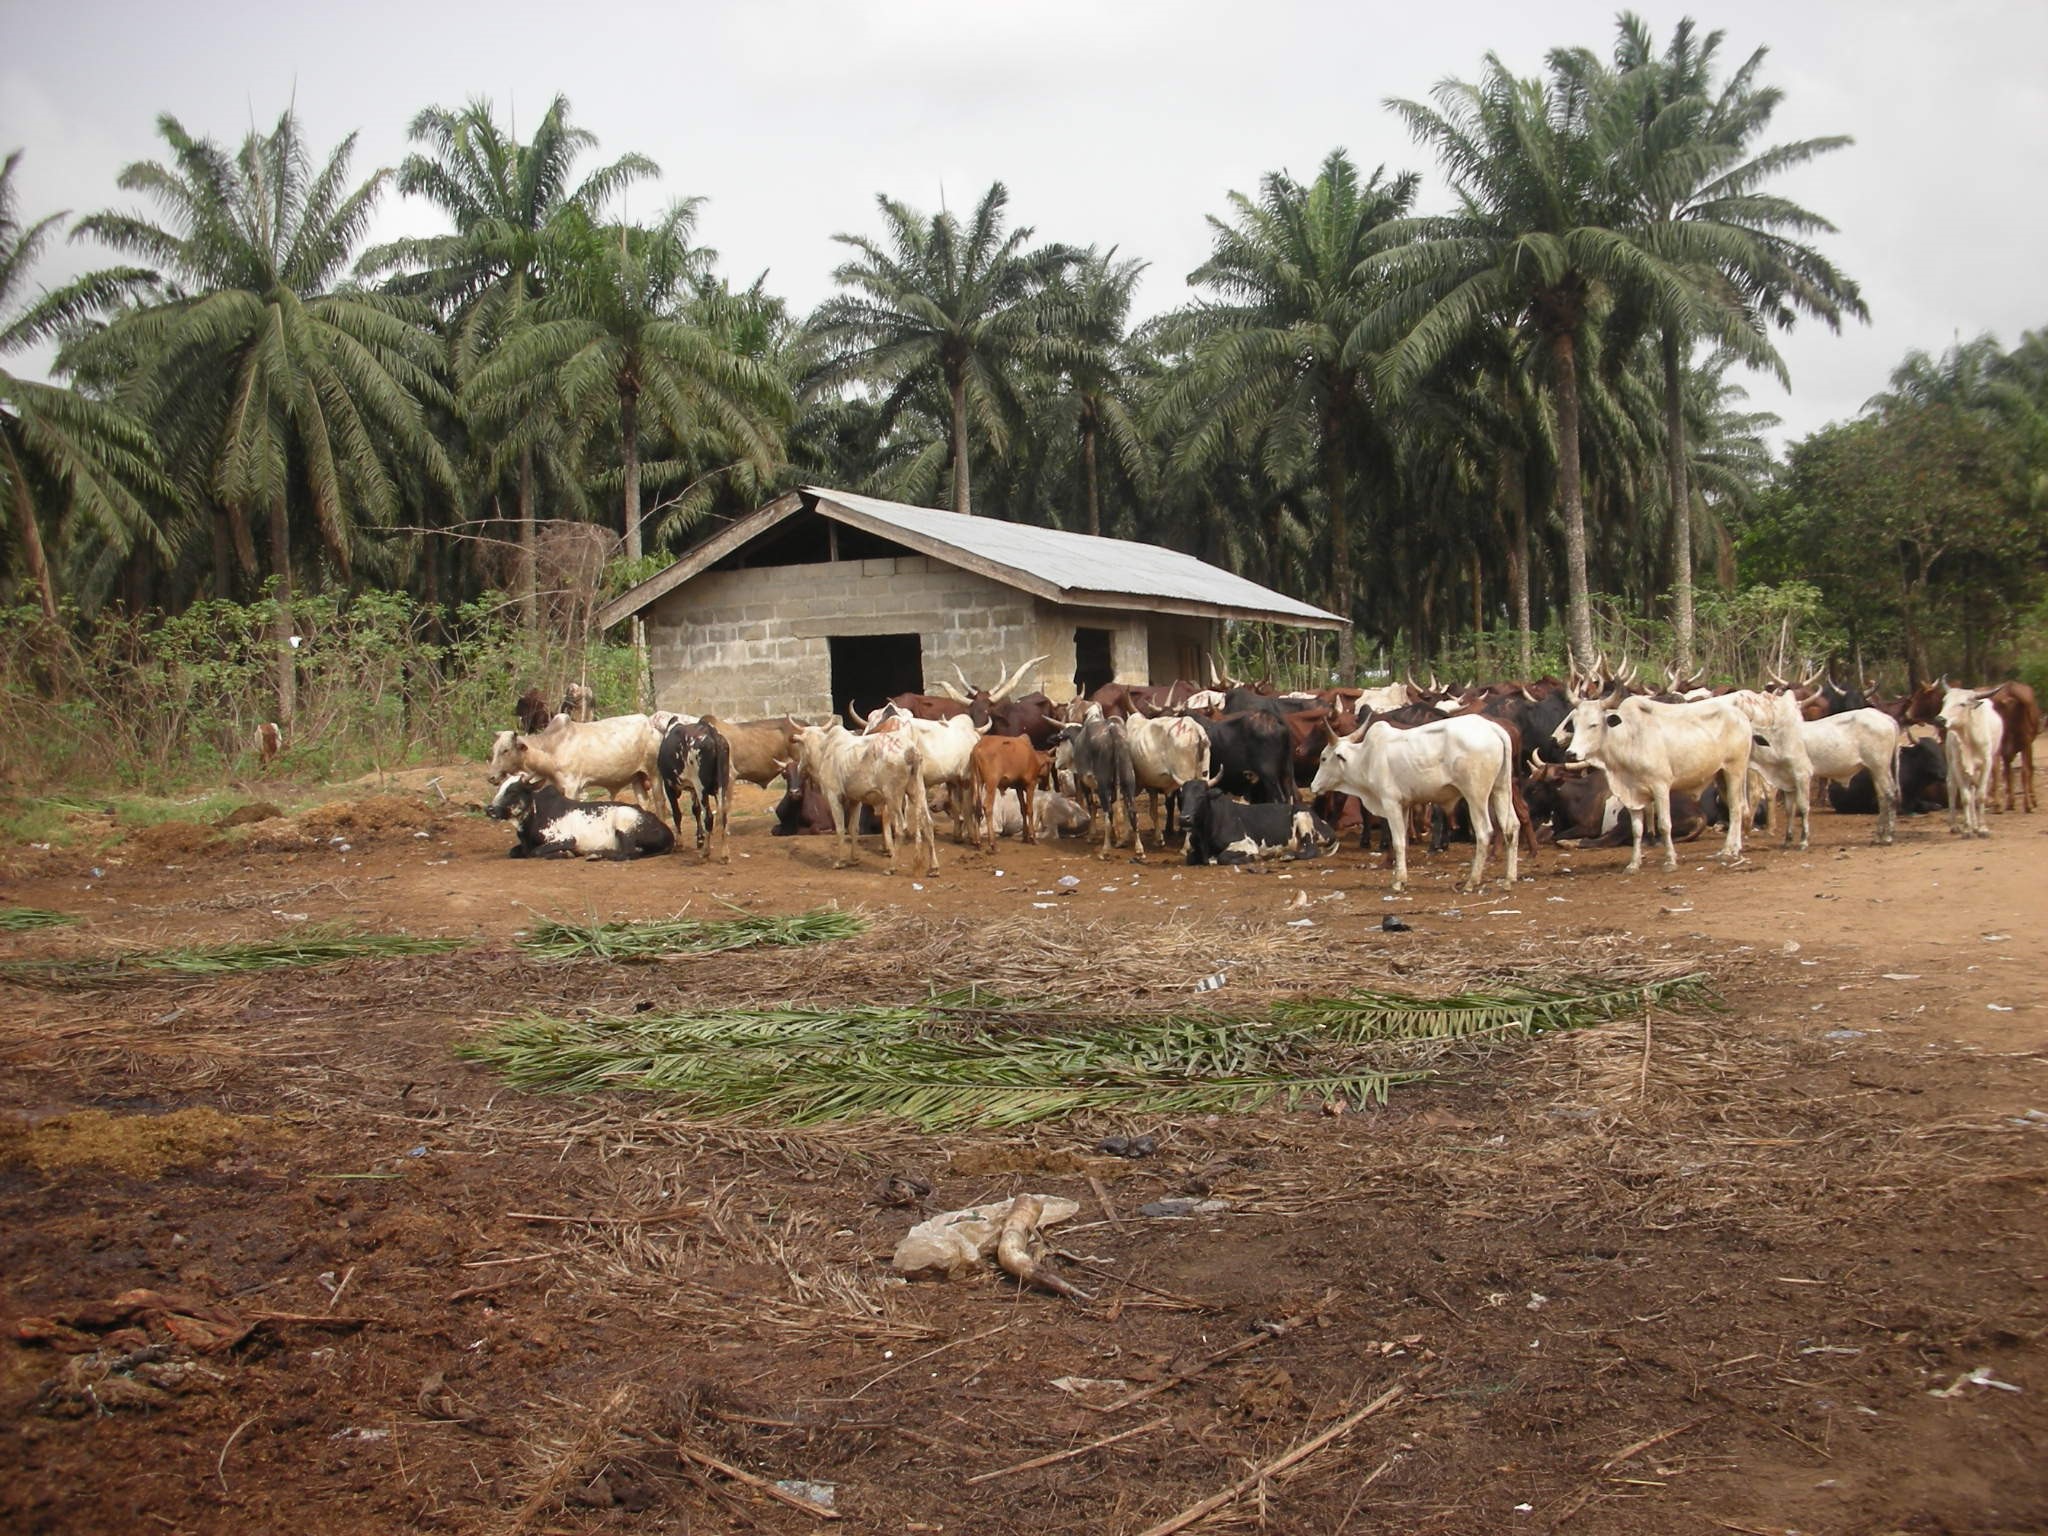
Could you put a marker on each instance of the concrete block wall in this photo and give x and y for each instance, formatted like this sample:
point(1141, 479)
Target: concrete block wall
point(749, 643)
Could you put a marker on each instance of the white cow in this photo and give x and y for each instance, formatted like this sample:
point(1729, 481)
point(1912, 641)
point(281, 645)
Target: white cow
point(1839, 745)
point(1468, 758)
point(1971, 734)
point(885, 772)
point(946, 748)
point(619, 754)
point(1778, 754)
point(1166, 751)
point(1650, 749)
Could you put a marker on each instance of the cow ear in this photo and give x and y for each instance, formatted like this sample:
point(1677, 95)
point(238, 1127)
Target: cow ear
point(1613, 721)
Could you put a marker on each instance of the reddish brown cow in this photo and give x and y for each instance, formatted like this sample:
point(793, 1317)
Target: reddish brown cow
point(2021, 714)
point(925, 706)
point(1006, 762)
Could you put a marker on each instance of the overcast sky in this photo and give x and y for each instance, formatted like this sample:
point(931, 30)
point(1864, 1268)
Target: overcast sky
point(1115, 124)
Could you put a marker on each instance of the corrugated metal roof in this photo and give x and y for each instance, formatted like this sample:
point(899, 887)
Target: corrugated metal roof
point(1081, 562)
point(1074, 568)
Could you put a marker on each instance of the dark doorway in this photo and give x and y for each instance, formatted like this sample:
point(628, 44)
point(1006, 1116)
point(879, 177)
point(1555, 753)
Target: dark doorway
point(868, 669)
point(1092, 665)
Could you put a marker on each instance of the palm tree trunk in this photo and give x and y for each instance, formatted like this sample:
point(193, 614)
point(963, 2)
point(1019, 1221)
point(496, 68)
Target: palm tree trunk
point(1088, 474)
point(1578, 599)
point(529, 566)
point(244, 541)
point(629, 433)
point(963, 501)
point(1681, 507)
point(1335, 484)
point(32, 557)
point(287, 656)
point(1515, 493)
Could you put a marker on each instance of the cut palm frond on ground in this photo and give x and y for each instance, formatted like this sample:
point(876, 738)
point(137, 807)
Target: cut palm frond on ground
point(959, 1060)
point(552, 940)
point(316, 947)
point(26, 919)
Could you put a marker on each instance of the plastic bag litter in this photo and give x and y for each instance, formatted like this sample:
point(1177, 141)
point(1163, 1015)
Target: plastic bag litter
point(956, 1243)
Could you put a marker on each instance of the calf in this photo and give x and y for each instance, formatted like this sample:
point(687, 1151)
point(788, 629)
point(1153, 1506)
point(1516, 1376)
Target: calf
point(1226, 831)
point(1102, 765)
point(1972, 731)
point(1053, 816)
point(553, 826)
point(1651, 750)
point(885, 772)
point(1465, 758)
point(614, 755)
point(695, 761)
point(1000, 763)
point(579, 703)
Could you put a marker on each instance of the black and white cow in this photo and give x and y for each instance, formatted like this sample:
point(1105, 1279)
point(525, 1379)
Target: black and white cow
point(1226, 831)
point(552, 826)
point(696, 760)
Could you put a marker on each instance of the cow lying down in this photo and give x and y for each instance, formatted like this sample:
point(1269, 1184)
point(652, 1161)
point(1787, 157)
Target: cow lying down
point(1226, 831)
point(552, 826)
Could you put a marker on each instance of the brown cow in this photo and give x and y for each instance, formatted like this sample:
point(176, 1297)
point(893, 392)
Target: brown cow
point(2021, 714)
point(760, 748)
point(1000, 763)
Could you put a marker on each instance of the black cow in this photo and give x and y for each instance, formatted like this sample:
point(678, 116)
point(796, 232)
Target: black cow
point(695, 760)
point(1226, 831)
point(1103, 769)
point(1923, 784)
point(552, 826)
point(1534, 719)
point(1252, 754)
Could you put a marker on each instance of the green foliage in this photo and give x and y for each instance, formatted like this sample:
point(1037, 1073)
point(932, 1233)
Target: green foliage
point(655, 940)
point(169, 700)
point(970, 1060)
point(28, 919)
point(307, 947)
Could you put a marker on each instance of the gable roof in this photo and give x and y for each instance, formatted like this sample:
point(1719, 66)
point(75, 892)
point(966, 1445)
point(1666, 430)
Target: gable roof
point(1078, 569)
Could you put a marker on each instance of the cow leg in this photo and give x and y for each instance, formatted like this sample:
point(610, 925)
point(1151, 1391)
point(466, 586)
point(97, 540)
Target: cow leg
point(930, 834)
point(1397, 834)
point(1886, 783)
point(1029, 795)
point(1635, 833)
point(1735, 787)
point(843, 819)
point(1129, 789)
point(1482, 835)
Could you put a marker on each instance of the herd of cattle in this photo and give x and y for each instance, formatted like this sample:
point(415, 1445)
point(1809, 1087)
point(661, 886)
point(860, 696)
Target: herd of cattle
point(1598, 759)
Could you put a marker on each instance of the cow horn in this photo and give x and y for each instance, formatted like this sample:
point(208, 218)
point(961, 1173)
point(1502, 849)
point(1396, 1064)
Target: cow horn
point(1212, 780)
point(858, 718)
point(950, 691)
point(965, 685)
point(997, 695)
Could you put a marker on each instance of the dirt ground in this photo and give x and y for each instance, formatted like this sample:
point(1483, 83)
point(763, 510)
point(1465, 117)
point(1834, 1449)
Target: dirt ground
point(272, 1257)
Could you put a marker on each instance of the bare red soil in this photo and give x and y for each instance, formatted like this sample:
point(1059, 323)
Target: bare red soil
point(1703, 1271)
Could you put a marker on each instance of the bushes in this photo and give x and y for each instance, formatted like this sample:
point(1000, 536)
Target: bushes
point(175, 700)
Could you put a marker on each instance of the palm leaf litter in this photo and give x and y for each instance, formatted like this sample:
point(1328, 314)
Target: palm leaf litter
point(962, 1060)
point(27, 919)
point(305, 948)
point(554, 940)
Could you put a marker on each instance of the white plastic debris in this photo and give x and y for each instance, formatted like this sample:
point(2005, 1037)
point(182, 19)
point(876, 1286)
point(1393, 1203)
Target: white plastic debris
point(820, 1494)
point(1998, 1007)
point(1303, 922)
point(1065, 882)
point(1212, 981)
point(1980, 1377)
point(1901, 976)
point(955, 1243)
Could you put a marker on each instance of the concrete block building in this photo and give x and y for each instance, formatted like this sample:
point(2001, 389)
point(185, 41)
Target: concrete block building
point(826, 598)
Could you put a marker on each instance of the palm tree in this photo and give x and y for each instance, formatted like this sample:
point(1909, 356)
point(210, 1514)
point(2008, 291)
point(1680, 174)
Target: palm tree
point(95, 457)
point(963, 304)
point(617, 329)
point(1692, 160)
point(485, 276)
point(1270, 356)
point(275, 381)
point(1090, 317)
point(1539, 238)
